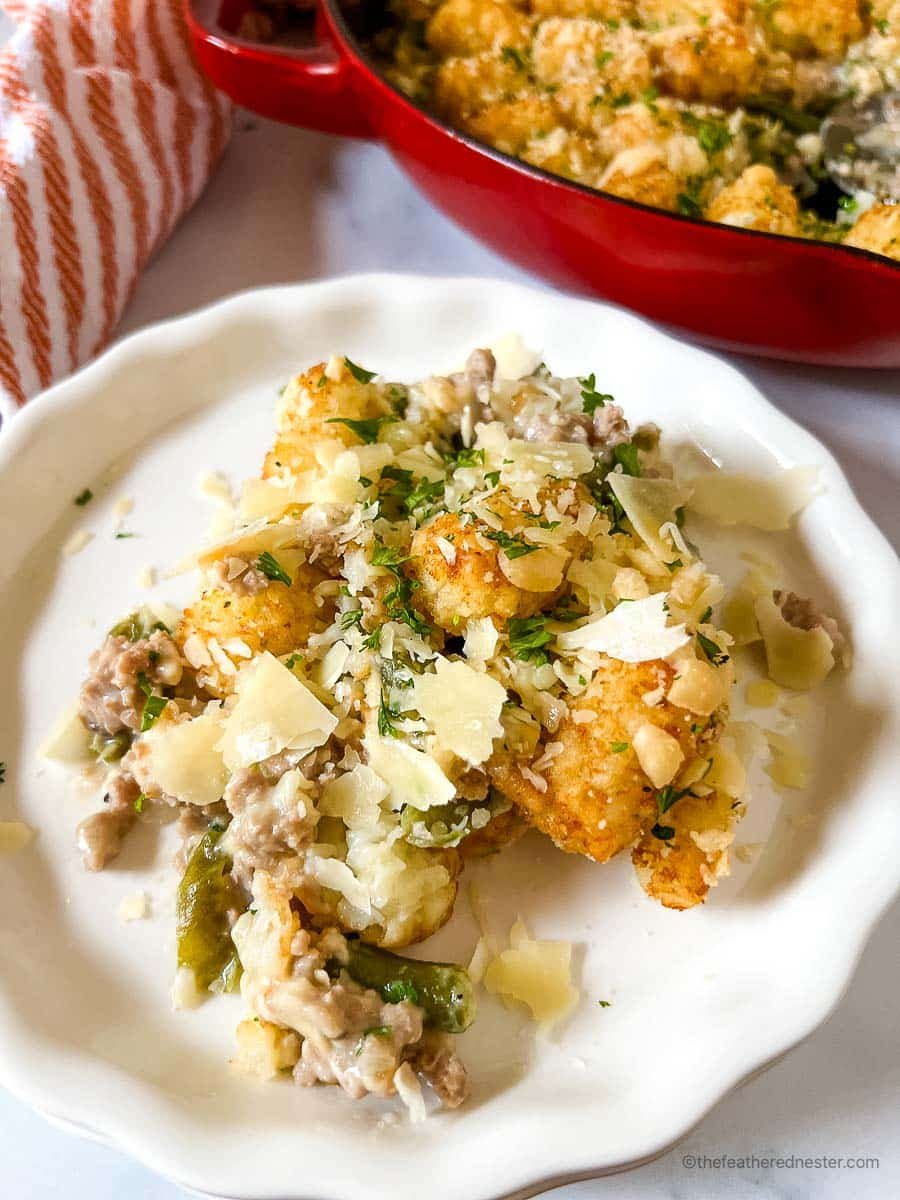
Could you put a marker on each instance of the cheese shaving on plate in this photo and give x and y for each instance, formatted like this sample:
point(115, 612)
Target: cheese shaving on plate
point(635, 631)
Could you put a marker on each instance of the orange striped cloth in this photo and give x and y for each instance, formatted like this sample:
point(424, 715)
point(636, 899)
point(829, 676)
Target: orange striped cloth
point(108, 134)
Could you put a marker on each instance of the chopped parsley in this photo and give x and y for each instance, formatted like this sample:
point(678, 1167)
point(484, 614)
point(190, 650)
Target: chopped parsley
point(664, 832)
point(367, 431)
point(688, 203)
point(697, 728)
point(674, 564)
point(153, 705)
point(365, 481)
point(291, 662)
point(492, 478)
point(387, 715)
point(2, 772)
point(650, 96)
point(713, 652)
point(626, 455)
point(512, 545)
point(621, 100)
point(705, 615)
point(397, 600)
point(511, 55)
point(398, 398)
point(713, 136)
point(269, 565)
point(881, 24)
point(139, 803)
point(604, 1003)
point(352, 617)
point(527, 638)
point(466, 457)
point(397, 990)
point(848, 203)
point(372, 641)
point(668, 796)
point(123, 533)
point(372, 1031)
point(360, 374)
point(322, 381)
point(604, 57)
point(83, 498)
point(591, 399)
point(619, 747)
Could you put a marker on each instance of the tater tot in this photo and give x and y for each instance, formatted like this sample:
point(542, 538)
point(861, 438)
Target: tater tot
point(612, 11)
point(878, 230)
point(308, 406)
point(511, 125)
point(822, 28)
point(463, 86)
point(465, 27)
point(615, 61)
point(757, 200)
point(598, 799)
point(279, 619)
point(661, 13)
point(678, 871)
point(643, 175)
point(713, 63)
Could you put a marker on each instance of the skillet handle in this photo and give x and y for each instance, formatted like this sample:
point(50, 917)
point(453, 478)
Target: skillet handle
point(308, 86)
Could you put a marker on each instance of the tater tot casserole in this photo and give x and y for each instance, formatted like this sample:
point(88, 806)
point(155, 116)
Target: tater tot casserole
point(707, 108)
point(446, 613)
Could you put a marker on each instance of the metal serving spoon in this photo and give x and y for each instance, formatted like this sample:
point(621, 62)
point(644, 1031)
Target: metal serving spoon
point(861, 146)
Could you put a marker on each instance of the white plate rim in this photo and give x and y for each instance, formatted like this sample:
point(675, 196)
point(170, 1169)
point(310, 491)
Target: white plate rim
point(197, 325)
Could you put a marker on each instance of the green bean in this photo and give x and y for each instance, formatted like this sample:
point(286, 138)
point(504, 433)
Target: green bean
point(443, 990)
point(110, 747)
point(205, 895)
point(138, 625)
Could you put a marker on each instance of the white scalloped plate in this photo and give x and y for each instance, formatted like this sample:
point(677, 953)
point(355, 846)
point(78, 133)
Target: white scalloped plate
point(699, 1000)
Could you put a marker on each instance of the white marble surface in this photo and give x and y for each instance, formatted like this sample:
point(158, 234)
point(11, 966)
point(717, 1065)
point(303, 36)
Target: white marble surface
point(288, 205)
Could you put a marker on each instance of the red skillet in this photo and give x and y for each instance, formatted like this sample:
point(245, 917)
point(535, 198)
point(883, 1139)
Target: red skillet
point(738, 289)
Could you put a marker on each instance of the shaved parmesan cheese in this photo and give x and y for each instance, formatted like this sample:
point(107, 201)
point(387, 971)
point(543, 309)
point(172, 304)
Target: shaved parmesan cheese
point(658, 752)
point(541, 571)
point(14, 836)
point(463, 707)
point(69, 741)
point(184, 759)
point(480, 639)
point(146, 577)
point(761, 693)
point(739, 615)
point(412, 776)
point(767, 504)
point(327, 672)
point(649, 504)
point(632, 632)
point(535, 460)
point(789, 767)
point(535, 973)
point(214, 486)
point(513, 358)
point(185, 993)
point(77, 542)
point(334, 874)
point(264, 1049)
point(727, 773)
point(355, 797)
point(134, 908)
point(698, 687)
point(274, 712)
point(123, 506)
point(410, 1092)
point(594, 579)
point(796, 658)
point(247, 542)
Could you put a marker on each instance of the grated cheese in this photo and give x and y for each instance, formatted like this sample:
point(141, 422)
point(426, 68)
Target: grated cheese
point(481, 639)
point(134, 908)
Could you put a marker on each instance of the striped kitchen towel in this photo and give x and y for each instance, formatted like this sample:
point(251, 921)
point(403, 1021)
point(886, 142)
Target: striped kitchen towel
point(108, 134)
